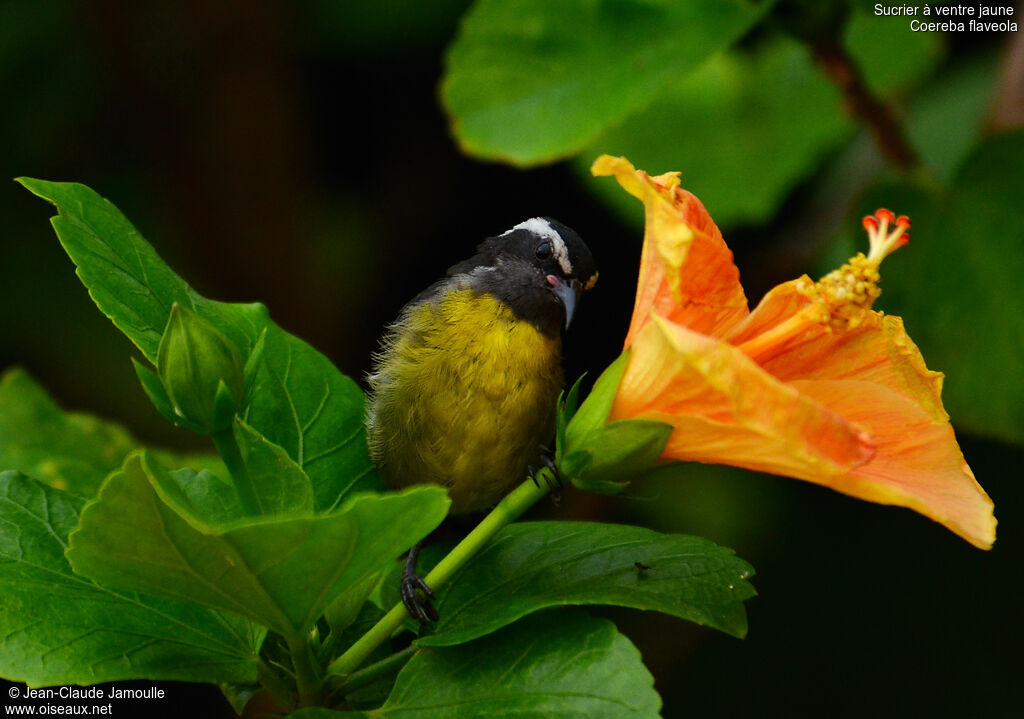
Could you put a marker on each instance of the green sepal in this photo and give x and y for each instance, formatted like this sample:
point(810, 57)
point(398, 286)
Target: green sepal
point(607, 458)
point(252, 364)
point(601, 456)
point(601, 486)
point(596, 408)
point(225, 406)
point(154, 389)
point(201, 370)
point(568, 404)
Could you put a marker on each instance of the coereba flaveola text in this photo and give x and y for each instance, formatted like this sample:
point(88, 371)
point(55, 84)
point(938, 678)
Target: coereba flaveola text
point(463, 390)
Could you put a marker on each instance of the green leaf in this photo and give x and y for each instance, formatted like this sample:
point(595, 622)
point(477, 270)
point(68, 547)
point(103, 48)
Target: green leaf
point(66, 450)
point(874, 40)
point(531, 82)
point(344, 610)
point(563, 663)
point(947, 117)
point(60, 628)
point(280, 484)
point(767, 117)
point(298, 401)
point(281, 572)
point(210, 497)
point(533, 565)
point(238, 695)
point(958, 284)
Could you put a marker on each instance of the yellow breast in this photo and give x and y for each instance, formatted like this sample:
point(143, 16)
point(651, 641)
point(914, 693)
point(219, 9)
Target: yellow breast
point(464, 395)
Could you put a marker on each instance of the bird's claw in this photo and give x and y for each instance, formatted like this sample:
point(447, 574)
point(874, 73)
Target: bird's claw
point(554, 480)
point(412, 585)
point(421, 609)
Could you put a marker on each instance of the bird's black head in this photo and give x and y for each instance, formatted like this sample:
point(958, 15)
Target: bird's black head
point(539, 268)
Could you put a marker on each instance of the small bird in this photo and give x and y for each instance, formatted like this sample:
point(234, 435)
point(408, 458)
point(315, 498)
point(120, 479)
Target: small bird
point(463, 390)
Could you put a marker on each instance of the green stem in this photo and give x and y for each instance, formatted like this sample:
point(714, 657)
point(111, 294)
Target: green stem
point(508, 510)
point(383, 668)
point(306, 676)
point(227, 446)
point(272, 682)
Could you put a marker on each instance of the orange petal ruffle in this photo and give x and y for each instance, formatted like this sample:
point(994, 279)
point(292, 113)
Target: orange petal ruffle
point(687, 273)
point(876, 350)
point(918, 463)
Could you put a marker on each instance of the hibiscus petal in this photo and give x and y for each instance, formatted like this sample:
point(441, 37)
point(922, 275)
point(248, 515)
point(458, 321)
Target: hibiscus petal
point(918, 463)
point(780, 304)
point(687, 273)
point(728, 410)
point(877, 349)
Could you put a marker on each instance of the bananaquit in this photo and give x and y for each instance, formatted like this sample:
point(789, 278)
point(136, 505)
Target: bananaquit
point(463, 390)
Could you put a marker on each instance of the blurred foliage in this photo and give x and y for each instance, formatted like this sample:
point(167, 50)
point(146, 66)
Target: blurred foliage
point(780, 115)
point(296, 153)
point(531, 82)
point(960, 291)
point(67, 451)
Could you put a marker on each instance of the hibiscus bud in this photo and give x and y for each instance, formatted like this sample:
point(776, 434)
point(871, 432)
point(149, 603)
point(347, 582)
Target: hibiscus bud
point(604, 456)
point(201, 370)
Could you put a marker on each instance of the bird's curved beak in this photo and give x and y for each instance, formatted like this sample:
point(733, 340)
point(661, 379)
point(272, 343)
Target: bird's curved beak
point(568, 293)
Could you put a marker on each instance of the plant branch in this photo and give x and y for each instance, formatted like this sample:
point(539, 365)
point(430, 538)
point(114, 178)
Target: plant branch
point(508, 510)
point(306, 675)
point(227, 447)
point(385, 667)
point(844, 73)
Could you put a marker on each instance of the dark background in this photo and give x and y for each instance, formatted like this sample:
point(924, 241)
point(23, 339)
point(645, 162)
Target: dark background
point(296, 154)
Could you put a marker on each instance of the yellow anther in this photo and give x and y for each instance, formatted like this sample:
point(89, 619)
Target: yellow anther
point(844, 293)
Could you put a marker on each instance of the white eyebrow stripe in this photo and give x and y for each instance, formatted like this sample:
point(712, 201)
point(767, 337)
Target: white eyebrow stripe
point(542, 228)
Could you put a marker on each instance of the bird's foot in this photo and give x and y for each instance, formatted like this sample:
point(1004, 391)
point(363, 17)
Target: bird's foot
point(412, 587)
point(554, 479)
point(421, 609)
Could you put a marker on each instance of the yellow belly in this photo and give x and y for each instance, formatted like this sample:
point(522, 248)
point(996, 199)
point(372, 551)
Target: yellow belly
point(463, 396)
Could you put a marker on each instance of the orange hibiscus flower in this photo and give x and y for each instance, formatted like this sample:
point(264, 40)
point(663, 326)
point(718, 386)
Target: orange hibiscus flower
point(811, 384)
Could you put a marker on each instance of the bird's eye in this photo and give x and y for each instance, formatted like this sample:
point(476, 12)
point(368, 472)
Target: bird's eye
point(543, 251)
